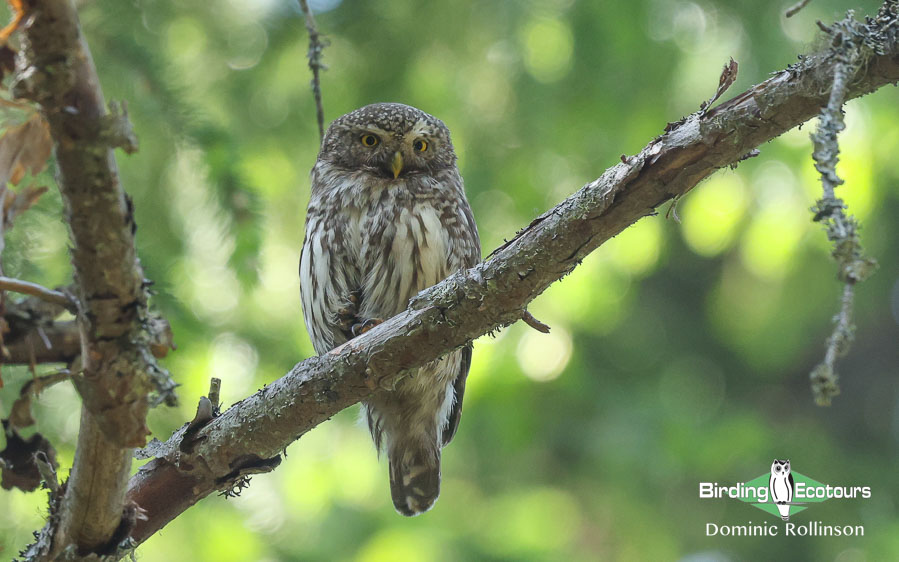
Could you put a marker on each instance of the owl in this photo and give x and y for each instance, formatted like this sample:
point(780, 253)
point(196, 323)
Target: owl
point(388, 218)
point(781, 487)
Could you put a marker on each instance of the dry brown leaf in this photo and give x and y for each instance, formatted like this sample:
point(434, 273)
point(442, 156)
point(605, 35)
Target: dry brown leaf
point(18, 469)
point(19, 9)
point(20, 414)
point(727, 78)
point(20, 202)
point(25, 148)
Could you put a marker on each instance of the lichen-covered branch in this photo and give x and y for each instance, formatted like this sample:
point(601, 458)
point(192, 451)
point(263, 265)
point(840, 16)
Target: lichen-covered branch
point(248, 437)
point(851, 43)
point(55, 70)
point(796, 8)
point(316, 48)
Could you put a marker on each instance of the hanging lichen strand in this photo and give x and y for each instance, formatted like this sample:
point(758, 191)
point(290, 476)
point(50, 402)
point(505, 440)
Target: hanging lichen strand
point(851, 46)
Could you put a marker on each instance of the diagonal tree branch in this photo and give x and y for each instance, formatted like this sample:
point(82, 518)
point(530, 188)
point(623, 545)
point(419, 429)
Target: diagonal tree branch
point(217, 453)
point(55, 69)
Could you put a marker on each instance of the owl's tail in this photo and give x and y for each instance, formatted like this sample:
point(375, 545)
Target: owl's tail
point(414, 478)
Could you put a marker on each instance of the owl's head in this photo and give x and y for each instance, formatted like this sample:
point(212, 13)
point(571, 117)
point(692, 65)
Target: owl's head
point(779, 467)
point(389, 140)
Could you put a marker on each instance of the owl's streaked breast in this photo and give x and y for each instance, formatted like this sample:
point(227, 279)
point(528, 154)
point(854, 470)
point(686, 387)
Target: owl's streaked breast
point(383, 239)
point(351, 218)
point(403, 252)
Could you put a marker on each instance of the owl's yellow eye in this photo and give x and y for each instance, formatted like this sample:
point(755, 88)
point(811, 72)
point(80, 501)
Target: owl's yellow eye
point(420, 145)
point(369, 140)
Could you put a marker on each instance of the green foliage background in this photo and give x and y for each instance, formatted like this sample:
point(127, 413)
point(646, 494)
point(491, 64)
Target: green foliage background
point(680, 353)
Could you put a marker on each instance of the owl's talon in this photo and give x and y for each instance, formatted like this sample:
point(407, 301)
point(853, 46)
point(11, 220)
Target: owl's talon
point(346, 315)
point(365, 326)
point(345, 321)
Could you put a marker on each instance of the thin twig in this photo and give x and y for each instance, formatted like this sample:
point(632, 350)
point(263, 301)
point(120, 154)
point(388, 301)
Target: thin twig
point(824, 377)
point(45, 468)
point(316, 48)
point(529, 319)
point(39, 291)
point(842, 229)
point(794, 9)
point(215, 388)
point(44, 339)
point(837, 344)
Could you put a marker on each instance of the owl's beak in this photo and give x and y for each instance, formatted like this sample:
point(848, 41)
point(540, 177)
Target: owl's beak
point(396, 165)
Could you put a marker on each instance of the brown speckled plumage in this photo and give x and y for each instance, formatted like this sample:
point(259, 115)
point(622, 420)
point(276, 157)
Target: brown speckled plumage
point(375, 237)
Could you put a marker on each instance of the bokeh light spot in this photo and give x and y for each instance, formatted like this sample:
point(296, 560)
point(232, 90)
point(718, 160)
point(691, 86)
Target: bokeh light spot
point(535, 520)
point(711, 213)
point(395, 544)
point(636, 250)
point(548, 46)
point(543, 357)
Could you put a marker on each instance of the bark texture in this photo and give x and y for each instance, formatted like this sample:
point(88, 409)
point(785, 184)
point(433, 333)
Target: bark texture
point(56, 71)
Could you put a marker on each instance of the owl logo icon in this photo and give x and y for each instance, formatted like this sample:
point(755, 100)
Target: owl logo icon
point(781, 487)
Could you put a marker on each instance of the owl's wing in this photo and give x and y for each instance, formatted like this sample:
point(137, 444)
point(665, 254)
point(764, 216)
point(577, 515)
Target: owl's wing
point(326, 281)
point(468, 243)
point(792, 486)
point(465, 252)
point(455, 414)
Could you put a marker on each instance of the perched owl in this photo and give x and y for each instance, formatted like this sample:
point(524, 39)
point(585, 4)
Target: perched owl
point(388, 218)
point(781, 487)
